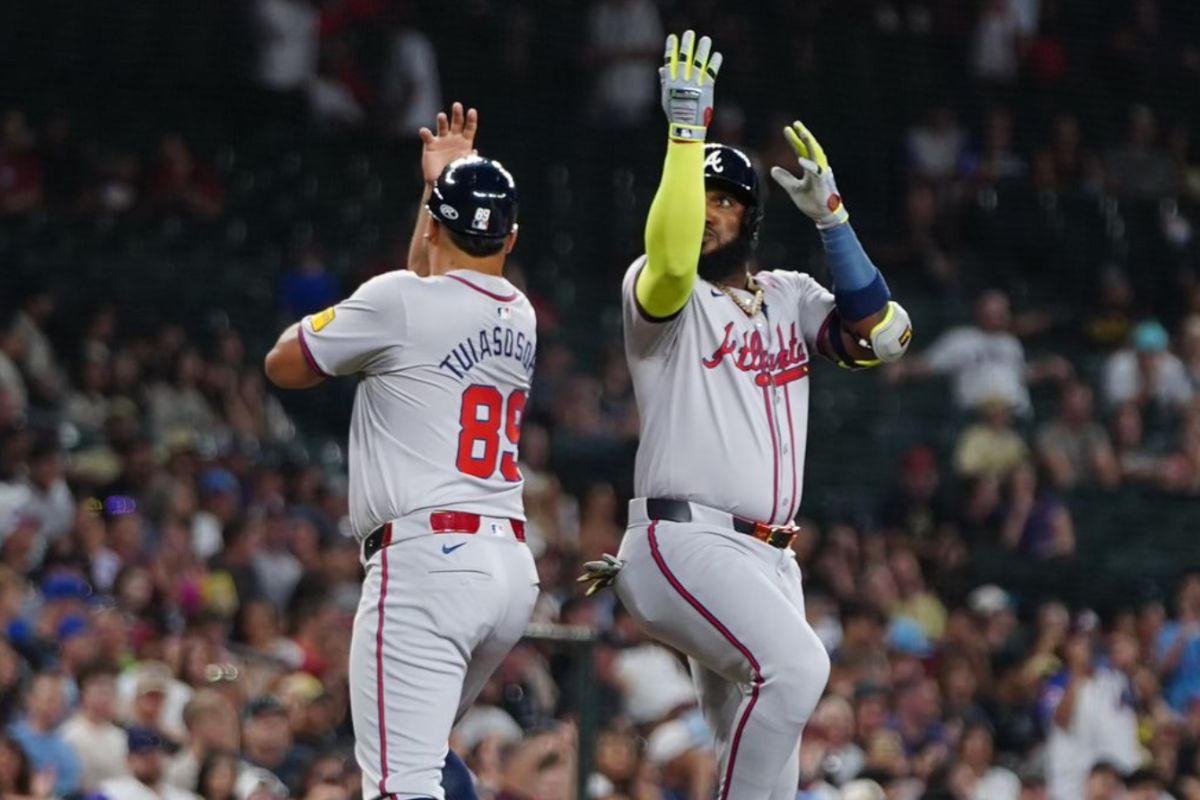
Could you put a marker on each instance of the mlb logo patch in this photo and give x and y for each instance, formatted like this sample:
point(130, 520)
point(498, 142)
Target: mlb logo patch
point(504, 312)
point(482, 215)
point(497, 529)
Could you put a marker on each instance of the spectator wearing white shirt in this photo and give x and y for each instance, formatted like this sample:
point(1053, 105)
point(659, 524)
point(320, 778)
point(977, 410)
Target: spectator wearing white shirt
point(985, 361)
point(1089, 710)
point(976, 751)
point(100, 744)
point(411, 93)
point(145, 778)
point(1146, 372)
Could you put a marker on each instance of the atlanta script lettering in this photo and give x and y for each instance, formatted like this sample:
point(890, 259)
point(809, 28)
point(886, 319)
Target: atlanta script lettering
point(787, 364)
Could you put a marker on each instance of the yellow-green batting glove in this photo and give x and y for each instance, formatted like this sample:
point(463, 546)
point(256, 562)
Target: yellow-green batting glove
point(814, 192)
point(688, 76)
point(600, 574)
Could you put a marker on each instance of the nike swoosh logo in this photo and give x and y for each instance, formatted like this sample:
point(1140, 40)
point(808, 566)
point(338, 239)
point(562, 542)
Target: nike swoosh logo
point(450, 548)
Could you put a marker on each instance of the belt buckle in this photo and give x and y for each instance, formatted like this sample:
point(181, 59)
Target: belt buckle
point(779, 536)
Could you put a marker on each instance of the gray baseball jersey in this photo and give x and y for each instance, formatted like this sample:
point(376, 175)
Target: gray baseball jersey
point(446, 364)
point(724, 398)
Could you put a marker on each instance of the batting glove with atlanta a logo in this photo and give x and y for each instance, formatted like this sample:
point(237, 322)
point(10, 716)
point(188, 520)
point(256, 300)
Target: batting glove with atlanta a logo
point(814, 192)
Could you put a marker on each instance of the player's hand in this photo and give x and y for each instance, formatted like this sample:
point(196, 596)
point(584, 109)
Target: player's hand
point(454, 139)
point(814, 192)
point(688, 76)
point(600, 574)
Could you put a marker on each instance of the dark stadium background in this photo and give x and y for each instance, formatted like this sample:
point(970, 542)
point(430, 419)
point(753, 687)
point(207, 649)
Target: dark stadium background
point(1050, 150)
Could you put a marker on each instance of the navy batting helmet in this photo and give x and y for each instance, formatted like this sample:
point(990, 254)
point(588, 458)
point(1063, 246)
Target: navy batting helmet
point(475, 196)
point(728, 168)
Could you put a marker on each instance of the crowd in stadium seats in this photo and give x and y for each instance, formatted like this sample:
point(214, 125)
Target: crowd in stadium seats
point(175, 578)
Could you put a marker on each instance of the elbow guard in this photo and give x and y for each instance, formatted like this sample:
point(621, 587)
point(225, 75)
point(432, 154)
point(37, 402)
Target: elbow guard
point(892, 336)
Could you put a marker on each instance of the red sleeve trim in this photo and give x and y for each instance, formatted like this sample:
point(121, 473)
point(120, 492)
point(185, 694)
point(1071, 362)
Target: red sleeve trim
point(308, 356)
point(498, 297)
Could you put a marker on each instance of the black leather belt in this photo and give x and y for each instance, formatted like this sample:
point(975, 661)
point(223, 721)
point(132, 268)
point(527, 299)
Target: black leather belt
point(780, 536)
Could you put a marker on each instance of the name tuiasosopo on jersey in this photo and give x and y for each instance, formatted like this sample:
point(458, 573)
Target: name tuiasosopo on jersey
point(445, 365)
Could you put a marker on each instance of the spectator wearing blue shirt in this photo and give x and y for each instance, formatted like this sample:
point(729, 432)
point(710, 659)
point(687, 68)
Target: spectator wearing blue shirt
point(39, 734)
point(1178, 656)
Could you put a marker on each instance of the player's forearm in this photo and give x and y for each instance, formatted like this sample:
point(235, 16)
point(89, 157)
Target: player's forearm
point(674, 231)
point(418, 256)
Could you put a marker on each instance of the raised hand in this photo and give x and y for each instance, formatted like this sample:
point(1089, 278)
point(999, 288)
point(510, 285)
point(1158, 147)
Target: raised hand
point(454, 139)
point(688, 76)
point(814, 191)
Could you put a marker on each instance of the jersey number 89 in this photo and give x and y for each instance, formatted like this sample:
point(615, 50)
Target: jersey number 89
point(483, 412)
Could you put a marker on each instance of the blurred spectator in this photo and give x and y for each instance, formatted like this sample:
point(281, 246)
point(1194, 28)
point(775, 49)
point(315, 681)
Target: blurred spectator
point(331, 100)
point(307, 287)
point(18, 777)
point(180, 404)
point(151, 697)
point(1103, 783)
point(37, 305)
point(996, 159)
point(914, 599)
point(1074, 447)
point(1139, 463)
point(1088, 709)
point(1146, 373)
point(50, 497)
point(985, 361)
point(623, 46)
point(145, 778)
point(267, 740)
point(12, 353)
point(989, 782)
point(998, 36)
point(212, 729)
point(916, 504)
point(936, 145)
point(38, 732)
point(20, 168)
point(411, 89)
point(990, 448)
point(180, 183)
point(1036, 523)
point(287, 50)
point(1177, 650)
point(92, 730)
point(1110, 322)
point(1140, 169)
point(832, 725)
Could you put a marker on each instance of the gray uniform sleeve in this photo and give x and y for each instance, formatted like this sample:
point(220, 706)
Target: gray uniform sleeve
point(814, 301)
point(364, 333)
point(646, 336)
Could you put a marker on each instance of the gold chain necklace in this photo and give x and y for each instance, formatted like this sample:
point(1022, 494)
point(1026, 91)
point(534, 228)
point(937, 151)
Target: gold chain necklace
point(748, 307)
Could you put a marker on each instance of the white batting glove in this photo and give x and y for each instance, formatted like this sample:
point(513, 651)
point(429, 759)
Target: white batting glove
point(814, 192)
point(688, 76)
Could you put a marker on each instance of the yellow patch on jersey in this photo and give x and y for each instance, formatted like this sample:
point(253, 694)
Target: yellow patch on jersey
point(904, 337)
point(323, 318)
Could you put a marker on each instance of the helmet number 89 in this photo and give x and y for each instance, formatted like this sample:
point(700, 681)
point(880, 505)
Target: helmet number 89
point(484, 412)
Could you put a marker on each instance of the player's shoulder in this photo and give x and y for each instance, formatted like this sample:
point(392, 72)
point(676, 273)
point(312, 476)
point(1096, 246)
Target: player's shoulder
point(632, 271)
point(787, 280)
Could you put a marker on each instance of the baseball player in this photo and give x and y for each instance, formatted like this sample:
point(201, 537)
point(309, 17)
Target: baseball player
point(721, 363)
point(444, 365)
